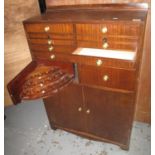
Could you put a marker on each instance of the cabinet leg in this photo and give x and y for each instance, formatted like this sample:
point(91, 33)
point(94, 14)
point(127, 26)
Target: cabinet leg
point(125, 147)
point(52, 126)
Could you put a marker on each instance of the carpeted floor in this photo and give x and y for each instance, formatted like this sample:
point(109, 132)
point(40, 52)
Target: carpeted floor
point(27, 132)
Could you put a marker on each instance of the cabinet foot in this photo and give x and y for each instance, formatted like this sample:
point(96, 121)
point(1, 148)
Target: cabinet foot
point(53, 126)
point(126, 148)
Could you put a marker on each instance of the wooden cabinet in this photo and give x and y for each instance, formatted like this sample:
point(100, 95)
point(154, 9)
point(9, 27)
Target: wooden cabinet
point(85, 66)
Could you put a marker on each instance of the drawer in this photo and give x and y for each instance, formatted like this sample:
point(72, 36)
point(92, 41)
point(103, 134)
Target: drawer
point(40, 80)
point(119, 28)
point(107, 77)
point(52, 36)
point(51, 42)
point(108, 45)
point(51, 48)
point(49, 28)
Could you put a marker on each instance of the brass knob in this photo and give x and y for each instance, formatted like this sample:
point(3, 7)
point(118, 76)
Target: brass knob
point(43, 91)
point(79, 109)
point(104, 29)
point(50, 48)
point(41, 84)
point(52, 56)
point(105, 78)
point(105, 45)
point(99, 62)
point(49, 42)
point(47, 28)
point(88, 111)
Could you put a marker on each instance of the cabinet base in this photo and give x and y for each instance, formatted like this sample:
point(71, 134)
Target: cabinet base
point(90, 136)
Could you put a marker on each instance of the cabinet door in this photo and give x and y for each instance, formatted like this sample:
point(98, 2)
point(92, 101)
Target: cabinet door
point(65, 109)
point(110, 114)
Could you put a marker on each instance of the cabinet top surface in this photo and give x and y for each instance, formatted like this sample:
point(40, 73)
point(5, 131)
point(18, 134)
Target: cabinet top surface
point(93, 13)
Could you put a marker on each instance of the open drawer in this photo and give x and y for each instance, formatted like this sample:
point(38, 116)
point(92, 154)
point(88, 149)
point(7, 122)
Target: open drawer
point(40, 80)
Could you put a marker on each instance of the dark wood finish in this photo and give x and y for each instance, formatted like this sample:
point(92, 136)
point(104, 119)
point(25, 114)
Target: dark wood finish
point(90, 106)
point(54, 28)
point(110, 114)
point(88, 60)
point(44, 81)
point(63, 108)
point(117, 78)
point(15, 86)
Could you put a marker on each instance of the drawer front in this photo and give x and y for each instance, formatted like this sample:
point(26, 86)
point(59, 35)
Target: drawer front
point(50, 49)
point(51, 42)
point(108, 45)
point(107, 77)
point(52, 36)
point(122, 28)
point(49, 28)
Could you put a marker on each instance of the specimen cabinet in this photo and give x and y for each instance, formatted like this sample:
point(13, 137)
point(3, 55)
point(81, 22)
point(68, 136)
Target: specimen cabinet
point(85, 66)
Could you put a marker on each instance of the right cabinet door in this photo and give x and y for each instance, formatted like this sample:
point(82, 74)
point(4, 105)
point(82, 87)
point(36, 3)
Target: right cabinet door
point(110, 115)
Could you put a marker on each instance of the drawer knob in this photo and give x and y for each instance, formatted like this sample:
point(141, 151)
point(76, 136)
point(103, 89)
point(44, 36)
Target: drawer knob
point(52, 56)
point(99, 62)
point(79, 109)
point(47, 28)
point(49, 42)
point(105, 45)
point(105, 78)
point(104, 29)
point(88, 111)
point(50, 48)
point(43, 91)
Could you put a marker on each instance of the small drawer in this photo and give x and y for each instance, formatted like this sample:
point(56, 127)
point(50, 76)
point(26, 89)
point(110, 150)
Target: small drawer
point(51, 48)
point(51, 42)
point(131, 46)
point(119, 28)
point(107, 77)
point(52, 36)
point(49, 28)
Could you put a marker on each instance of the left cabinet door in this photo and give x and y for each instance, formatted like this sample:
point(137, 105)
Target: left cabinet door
point(66, 109)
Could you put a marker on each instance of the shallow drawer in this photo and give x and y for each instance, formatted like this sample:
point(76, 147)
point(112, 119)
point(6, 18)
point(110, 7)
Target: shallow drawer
point(49, 28)
point(52, 36)
point(108, 45)
point(119, 28)
point(51, 42)
point(107, 77)
point(40, 80)
point(51, 48)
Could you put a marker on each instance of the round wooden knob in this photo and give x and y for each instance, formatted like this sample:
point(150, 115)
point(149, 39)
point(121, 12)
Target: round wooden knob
point(105, 45)
point(47, 28)
point(105, 78)
point(79, 109)
point(88, 111)
point(104, 29)
point(52, 56)
point(99, 62)
point(50, 48)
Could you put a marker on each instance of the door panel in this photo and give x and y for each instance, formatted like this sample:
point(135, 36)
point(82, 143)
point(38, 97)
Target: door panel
point(111, 114)
point(66, 108)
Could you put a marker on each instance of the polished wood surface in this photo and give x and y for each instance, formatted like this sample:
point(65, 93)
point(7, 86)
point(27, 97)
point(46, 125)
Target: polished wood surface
point(115, 80)
point(66, 110)
point(107, 77)
point(116, 126)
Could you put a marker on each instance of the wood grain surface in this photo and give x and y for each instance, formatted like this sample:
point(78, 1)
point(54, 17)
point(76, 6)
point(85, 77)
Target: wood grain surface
point(15, 61)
